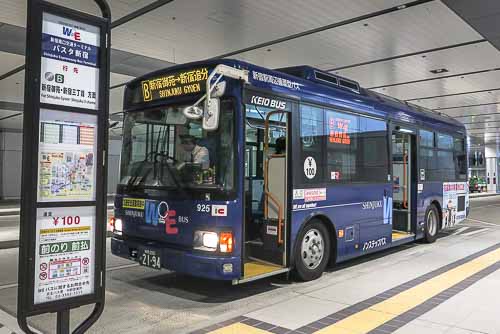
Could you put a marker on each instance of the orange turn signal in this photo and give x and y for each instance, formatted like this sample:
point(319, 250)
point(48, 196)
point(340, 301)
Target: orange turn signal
point(226, 242)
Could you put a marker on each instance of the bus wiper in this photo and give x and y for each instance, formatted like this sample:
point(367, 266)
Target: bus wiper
point(163, 163)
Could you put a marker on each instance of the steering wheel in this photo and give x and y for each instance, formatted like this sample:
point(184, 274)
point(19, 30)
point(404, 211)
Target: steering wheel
point(164, 155)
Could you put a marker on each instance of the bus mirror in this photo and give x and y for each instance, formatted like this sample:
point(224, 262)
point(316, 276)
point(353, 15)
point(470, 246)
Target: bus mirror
point(219, 89)
point(211, 115)
point(193, 112)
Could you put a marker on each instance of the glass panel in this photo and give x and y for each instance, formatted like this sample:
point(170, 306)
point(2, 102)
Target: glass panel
point(426, 138)
point(311, 140)
point(342, 146)
point(428, 162)
point(446, 166)
point(444, 141)
point(372, 155)
point(459, 144)
point(162, 148)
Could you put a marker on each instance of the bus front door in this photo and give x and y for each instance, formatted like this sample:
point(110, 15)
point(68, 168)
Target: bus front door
point(266, 170)
point(404, 181)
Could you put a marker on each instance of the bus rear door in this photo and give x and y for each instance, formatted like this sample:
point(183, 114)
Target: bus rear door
point(404, 176)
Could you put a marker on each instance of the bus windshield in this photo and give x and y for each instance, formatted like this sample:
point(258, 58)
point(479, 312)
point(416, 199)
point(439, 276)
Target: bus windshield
point(164, 149)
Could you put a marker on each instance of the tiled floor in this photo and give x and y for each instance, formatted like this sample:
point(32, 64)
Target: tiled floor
point(470, 307)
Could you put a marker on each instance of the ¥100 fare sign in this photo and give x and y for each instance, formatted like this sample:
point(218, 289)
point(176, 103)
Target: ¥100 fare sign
point(63, 213)
point(64, 261)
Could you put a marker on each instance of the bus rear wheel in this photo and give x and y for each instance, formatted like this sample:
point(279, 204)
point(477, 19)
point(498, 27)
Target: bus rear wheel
point(431, 224)
point(312, 251)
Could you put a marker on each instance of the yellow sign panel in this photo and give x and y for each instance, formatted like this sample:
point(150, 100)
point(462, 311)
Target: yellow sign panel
point(186, 82)
point(133, 203)
point(65, 229)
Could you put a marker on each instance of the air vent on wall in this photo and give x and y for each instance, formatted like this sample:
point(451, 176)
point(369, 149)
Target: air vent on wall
point(333, 80)
point(351, 85)
point(325, 77)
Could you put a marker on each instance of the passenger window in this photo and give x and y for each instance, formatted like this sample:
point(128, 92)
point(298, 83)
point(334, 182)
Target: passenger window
point(460, 159)
point(446, 165)
point(372, 156)
point(356, 148)
point(444, 141)
point(312, 143)
point(342, 130)
point(426, 138)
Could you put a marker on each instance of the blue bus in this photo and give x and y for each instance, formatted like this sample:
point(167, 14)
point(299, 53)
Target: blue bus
point(232, 171)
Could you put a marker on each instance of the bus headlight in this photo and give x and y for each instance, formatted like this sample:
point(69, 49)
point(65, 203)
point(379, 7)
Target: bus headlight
point(117, 225)
point(207, 241)
point(210, 241)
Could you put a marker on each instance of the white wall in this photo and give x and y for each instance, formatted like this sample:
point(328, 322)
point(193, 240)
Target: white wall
point(11, 159)
point(10, 164)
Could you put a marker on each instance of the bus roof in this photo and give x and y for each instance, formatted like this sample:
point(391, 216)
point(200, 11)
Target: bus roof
point(313, 85)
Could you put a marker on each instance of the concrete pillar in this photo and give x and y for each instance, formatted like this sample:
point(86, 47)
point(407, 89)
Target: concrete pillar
point(491, 155)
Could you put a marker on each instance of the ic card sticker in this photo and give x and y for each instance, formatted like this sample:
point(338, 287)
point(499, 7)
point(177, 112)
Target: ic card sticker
point(298, 194)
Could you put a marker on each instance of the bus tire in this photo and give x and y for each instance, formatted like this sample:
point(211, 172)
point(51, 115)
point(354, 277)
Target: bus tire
point(312, 251)
point(431, 226)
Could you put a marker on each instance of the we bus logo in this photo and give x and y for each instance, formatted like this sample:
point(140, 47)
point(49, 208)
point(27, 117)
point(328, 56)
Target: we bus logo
point(70, 33)
point(160, 213)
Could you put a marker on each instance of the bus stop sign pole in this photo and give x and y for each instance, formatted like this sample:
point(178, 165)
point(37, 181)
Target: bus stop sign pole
point(63, 189)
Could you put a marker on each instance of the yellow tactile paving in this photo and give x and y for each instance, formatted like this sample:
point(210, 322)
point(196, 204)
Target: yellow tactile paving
point(369, 319)
point(238, 328)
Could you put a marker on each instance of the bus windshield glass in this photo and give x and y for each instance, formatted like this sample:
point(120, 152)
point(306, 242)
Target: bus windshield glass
point(164, 149)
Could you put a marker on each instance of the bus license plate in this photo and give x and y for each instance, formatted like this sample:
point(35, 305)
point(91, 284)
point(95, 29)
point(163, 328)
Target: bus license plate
point(150, 258)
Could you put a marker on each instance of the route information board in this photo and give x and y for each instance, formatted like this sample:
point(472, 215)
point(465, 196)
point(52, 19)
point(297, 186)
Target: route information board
point(66, 156)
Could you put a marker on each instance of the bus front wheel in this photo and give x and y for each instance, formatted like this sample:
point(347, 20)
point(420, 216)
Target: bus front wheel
point(431, 224)
point(312, 251)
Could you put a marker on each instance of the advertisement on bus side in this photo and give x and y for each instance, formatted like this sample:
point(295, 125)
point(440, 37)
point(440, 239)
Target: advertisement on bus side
point(455, 199)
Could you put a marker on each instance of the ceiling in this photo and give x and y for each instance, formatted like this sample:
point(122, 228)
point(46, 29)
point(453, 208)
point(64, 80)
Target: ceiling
point(389, 50)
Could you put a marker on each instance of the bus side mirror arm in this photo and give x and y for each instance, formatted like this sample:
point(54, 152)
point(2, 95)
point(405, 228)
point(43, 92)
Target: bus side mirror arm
point(212, 104)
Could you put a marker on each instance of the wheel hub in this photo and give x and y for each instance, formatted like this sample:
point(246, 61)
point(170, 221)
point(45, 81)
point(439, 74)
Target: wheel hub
point(312, 249)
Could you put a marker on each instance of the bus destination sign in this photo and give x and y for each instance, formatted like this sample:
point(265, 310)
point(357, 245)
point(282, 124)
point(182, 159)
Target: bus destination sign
point(176, 84)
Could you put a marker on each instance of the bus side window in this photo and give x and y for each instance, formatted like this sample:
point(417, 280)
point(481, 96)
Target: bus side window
point(312, 144)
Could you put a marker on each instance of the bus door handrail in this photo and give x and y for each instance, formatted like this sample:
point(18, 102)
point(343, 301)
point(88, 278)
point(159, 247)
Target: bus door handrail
point(405, 181)
point(267, 194)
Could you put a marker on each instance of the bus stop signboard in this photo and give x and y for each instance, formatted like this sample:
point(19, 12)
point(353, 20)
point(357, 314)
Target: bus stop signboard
point(63, 206)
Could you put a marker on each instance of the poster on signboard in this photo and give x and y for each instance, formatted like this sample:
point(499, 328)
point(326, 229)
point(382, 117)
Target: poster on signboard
point(64, 253)
point(67, 153)
point(455, 203)
point(70, 63)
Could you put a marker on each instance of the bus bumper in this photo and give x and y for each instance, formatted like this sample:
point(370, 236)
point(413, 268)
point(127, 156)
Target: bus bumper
point(195, 264)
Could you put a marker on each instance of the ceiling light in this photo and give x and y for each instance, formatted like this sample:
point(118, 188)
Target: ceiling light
point(439, 71)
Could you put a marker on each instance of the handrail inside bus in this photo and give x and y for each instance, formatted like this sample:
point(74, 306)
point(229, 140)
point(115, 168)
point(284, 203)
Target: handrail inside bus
point(405, 186)
point(267, 194)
